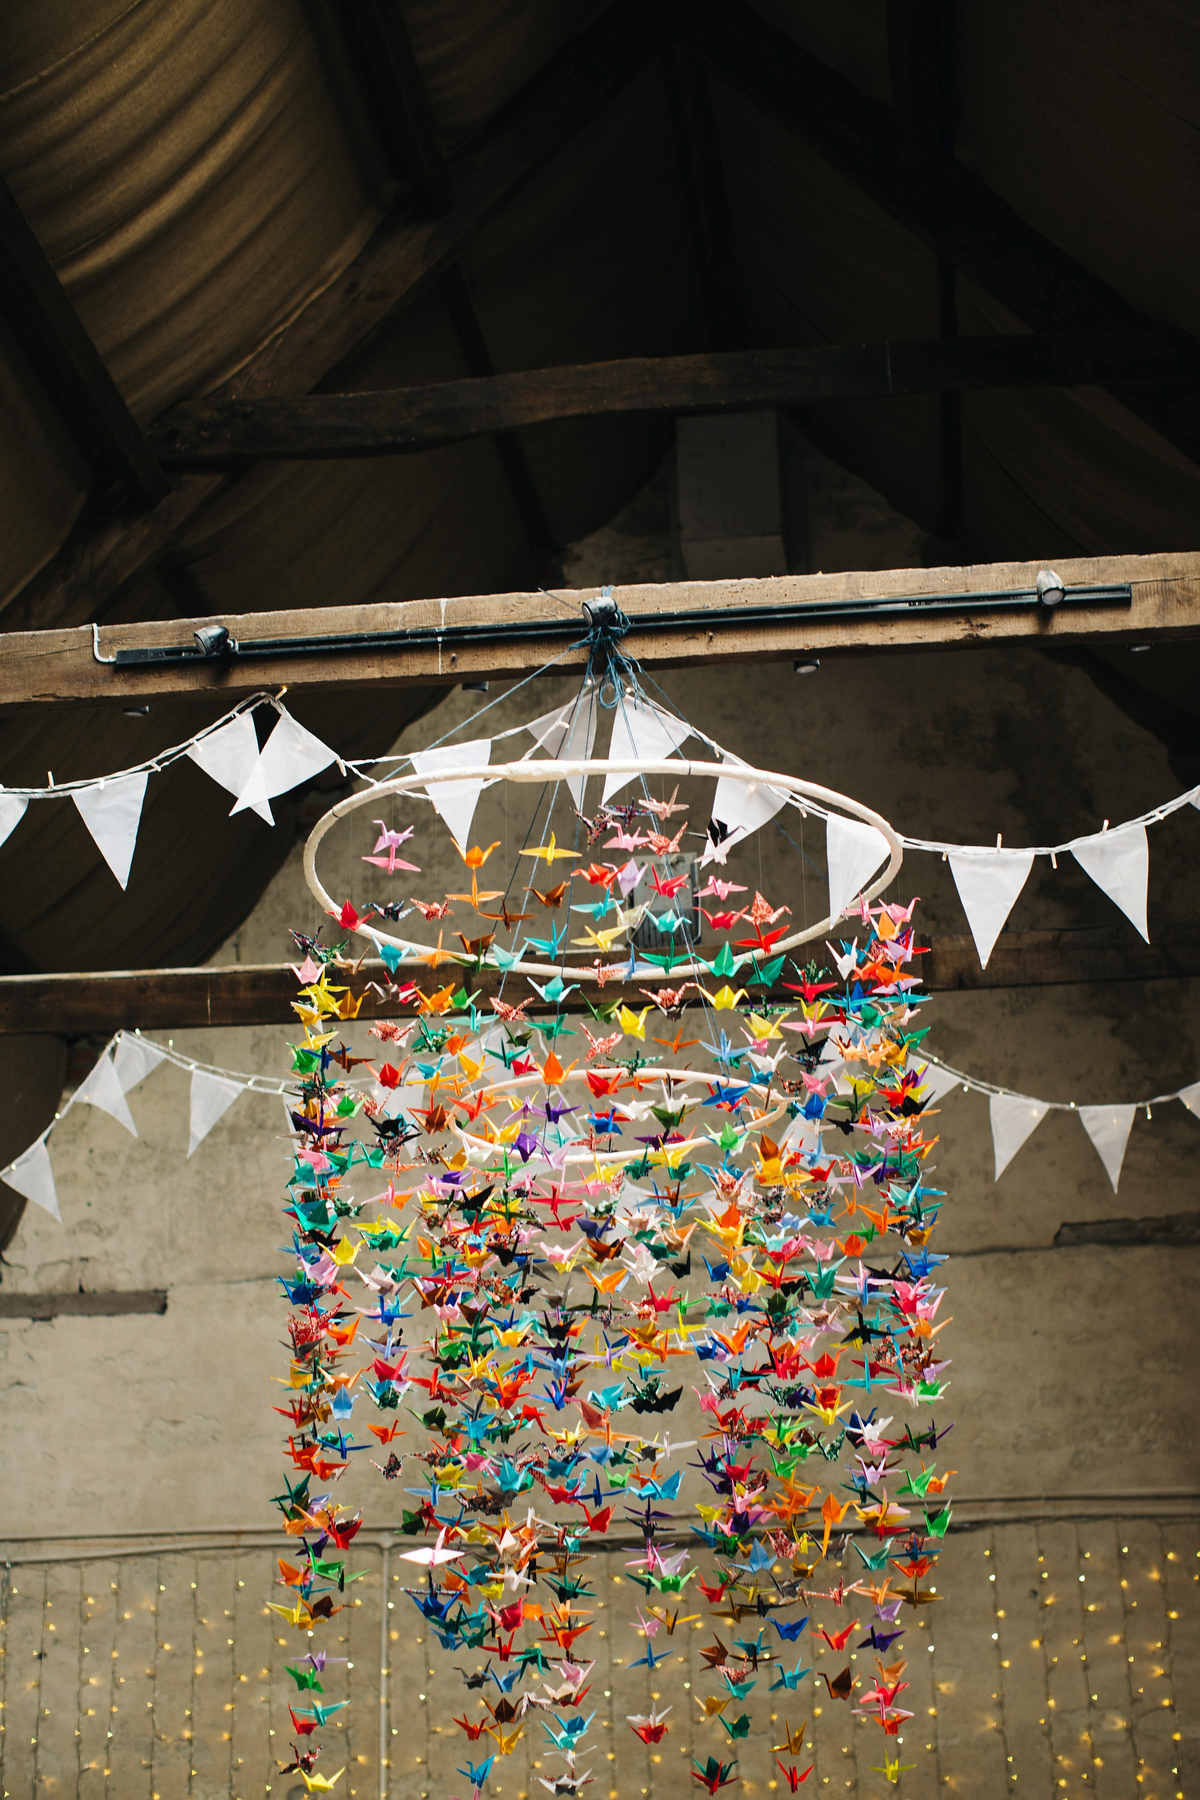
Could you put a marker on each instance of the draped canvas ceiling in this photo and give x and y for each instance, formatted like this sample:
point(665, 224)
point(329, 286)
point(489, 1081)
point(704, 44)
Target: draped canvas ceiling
point(197, 171)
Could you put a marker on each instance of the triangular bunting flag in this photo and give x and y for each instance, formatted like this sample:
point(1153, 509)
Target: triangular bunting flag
point(102, 1089)
point(290, 755)
point(642, 732)
point(12, 811)
point(742, 807)
point(134, 1059)
point(229, 756)
point(32, 1176)
point(549, 732)
point(988, 886)
point(112, 812)
point(1191, 1098)
point(1119, 862)
point(935, 1078)
point(1013, 1118)
point(853, 852)
point(578, 744)
point(211, 1096)
point(1109, 1128)
point(455, 801)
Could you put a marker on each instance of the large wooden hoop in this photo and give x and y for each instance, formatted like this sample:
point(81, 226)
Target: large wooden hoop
point(822, 799)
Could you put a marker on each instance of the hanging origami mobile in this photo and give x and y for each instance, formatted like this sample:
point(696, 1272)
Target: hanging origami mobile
point(717, 1186)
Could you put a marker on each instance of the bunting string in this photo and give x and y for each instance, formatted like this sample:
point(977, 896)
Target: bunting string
point(989, 878)
point(129, 1057)
point(1015, 1117)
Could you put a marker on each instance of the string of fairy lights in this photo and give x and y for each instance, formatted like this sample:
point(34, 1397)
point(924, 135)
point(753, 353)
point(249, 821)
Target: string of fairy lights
point(1082, 1681)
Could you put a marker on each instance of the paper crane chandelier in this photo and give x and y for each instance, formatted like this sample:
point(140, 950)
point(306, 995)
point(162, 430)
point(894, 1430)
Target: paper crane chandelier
point(605, 1177)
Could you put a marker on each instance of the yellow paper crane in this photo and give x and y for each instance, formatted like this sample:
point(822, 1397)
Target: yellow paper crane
point(321, 1784)
point(550, 853)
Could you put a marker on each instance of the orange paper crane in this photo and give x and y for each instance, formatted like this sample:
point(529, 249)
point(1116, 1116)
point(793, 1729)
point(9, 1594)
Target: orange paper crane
point(833, 1514)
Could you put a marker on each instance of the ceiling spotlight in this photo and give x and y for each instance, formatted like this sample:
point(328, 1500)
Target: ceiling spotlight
point(474, 687)
point(1049, 587)
point(806, 665)
point(212, 640)
point(1136, 649)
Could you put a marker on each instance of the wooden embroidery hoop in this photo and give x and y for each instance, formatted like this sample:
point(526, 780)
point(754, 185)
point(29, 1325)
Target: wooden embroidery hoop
point(820, 799)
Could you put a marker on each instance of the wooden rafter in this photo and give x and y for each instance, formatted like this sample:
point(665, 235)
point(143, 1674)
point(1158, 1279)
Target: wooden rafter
point(234, 432)
point(407, 255)
point(946, 205)
point(58, 349)
point(673, 624)
point(262, 994)
point(377, 35)
point(381, 50)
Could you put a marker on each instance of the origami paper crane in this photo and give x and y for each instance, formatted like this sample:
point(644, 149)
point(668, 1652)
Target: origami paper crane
point(391, 841)
point(714, 1774)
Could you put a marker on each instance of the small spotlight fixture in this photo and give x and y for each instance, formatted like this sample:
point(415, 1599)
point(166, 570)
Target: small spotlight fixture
point(806, 665)
point(1137, 649)
point(212, 640)
point(474, 687)
point(1049, 587)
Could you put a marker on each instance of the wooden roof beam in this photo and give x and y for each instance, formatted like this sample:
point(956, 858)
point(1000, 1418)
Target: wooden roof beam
point(68, 365)
point(231, 433)
point(441, 643)
point(936, 198)
point(377, 36)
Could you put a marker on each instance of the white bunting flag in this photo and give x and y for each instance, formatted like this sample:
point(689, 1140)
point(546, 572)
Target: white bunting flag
point(290, 755)
point(988, 887)
point(578, 744)
point(102, 1089)
point(211, 1096)
point(229, 756)
point(1109, 1128)
point(12, 811)
point(1191, 1098)
point(112, 812)
point(642, 732)
point(134, 1059)
point(742, 807)
point(455, 801)
point(32, 1176)
point(568, 734)
point(1119, 862)
point(1014, 1117)
point(935, 1081)
point(853, 852)
point(549, 732)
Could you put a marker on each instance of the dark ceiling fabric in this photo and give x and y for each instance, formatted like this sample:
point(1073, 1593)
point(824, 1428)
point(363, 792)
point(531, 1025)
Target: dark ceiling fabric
point(194, 172)
point(589, 261)
point(851, 39)
point(473, 58)
point(1085, 116)
point(197, 170)
point(817, 262)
